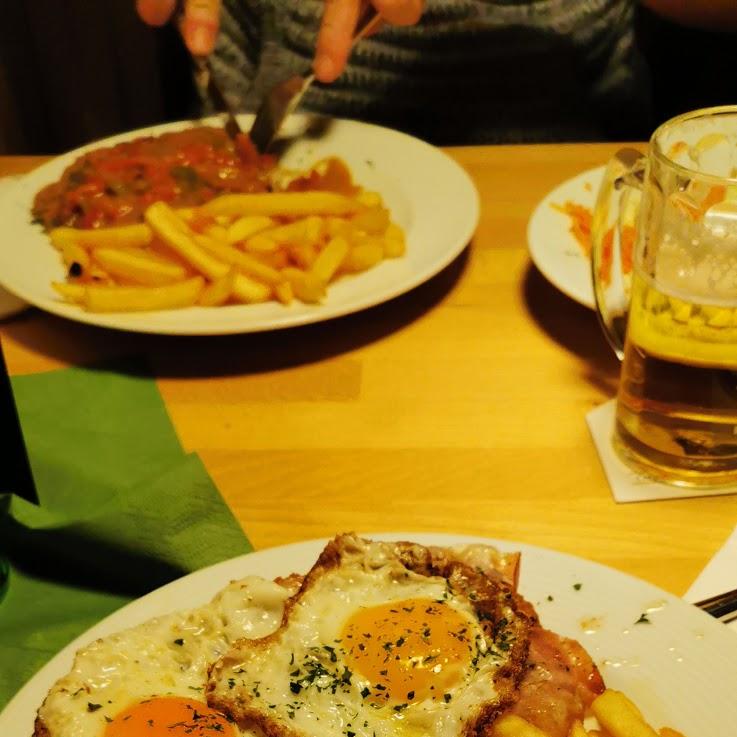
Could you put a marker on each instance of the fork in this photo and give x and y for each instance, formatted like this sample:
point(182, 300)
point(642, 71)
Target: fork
point(722, 606)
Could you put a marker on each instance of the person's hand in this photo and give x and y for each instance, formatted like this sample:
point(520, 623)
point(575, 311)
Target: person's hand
point(199, 24)
point(338, 23)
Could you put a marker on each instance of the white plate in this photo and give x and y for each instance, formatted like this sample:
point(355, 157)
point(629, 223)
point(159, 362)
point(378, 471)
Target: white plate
point(9, 303)
point(428, 193)
point(681, 668)
point(553, 248)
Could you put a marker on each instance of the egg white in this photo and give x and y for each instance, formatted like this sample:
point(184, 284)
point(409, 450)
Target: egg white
point(166, 656)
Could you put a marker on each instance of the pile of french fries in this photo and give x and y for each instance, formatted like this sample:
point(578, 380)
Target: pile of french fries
point(237, 248)
point(616, 715)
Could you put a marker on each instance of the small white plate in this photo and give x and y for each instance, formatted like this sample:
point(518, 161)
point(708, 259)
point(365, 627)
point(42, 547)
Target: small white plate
point(553, 248)
point(428, 194)
point(679, 668)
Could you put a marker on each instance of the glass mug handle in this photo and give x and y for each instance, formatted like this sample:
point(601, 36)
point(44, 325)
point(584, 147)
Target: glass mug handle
point(624, 174)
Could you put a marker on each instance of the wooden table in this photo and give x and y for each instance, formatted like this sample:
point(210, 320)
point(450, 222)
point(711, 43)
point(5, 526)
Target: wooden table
point(458, 407)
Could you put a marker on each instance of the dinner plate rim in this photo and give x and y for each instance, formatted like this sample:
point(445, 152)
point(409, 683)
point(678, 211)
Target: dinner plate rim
point(543, 256)
point(466, 198)
point(24, 704)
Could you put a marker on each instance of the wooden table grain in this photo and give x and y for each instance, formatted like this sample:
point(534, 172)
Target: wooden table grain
point(458, 407)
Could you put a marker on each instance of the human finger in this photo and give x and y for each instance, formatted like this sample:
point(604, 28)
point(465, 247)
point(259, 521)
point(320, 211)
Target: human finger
point(334, 38)
point(400, 12)
point(200, 25)
point(155, 12)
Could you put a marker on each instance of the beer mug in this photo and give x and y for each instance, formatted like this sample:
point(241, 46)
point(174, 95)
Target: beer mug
point(664, 268)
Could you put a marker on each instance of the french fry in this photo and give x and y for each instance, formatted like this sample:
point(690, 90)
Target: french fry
point(305, 286)
point(188, 214)
point(373, 220)
point(369, 199)
point(247, 290)
point(278, 259)
point(284, 292)
point(577, 730)
point(629, 704)
point(248, 226)
point(178, 236)
point(261, 244)
point(70, 292)
point(246, 263)
point(293, 204)
point(139, 267)
point(218, 292)
point(302, 254)
point(73, 253)
point(615, 713)
point(97, 275)
point(363, 256)
point(337, 226)
point(132, 299)
point(123, 236)
point(394, 243)
point(329, 259)
point(304, 231)
point(216, 231)
point(513, 726)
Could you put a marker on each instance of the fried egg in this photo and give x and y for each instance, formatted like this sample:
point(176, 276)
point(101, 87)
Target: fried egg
point(382, 639)
point(150, 679)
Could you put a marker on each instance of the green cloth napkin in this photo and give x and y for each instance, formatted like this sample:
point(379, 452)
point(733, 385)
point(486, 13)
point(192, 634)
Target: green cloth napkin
point(122, 511)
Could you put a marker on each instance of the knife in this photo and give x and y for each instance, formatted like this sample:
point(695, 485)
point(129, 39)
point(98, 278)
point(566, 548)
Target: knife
point(206, 83)
point(283, 99)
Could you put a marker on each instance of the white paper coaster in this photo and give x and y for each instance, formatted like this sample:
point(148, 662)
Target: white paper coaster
point(626, 485)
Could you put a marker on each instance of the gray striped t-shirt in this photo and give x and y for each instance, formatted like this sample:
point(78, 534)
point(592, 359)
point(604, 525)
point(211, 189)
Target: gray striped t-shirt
point(472, 71)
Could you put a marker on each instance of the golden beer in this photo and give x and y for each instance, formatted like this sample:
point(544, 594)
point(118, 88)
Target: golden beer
point(677, 404)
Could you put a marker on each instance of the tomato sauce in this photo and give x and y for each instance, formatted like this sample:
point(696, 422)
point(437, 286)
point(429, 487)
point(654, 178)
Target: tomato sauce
point(114, 185)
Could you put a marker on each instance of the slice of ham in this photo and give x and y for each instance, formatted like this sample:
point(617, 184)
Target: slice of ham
point(560, 683)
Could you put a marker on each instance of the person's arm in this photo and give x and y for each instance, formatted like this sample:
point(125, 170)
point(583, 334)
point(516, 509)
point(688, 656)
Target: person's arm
point(716, 15)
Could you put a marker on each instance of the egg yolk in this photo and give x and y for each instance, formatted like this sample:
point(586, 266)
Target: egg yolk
point(410, 650)
point(169, 717)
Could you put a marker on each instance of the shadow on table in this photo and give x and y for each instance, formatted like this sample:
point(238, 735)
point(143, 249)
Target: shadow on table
point(191, 356)
point(572, 326)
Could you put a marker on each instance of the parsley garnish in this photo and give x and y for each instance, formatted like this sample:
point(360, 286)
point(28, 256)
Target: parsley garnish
point(643, 619)
point(93, 707)
point(577, 586)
